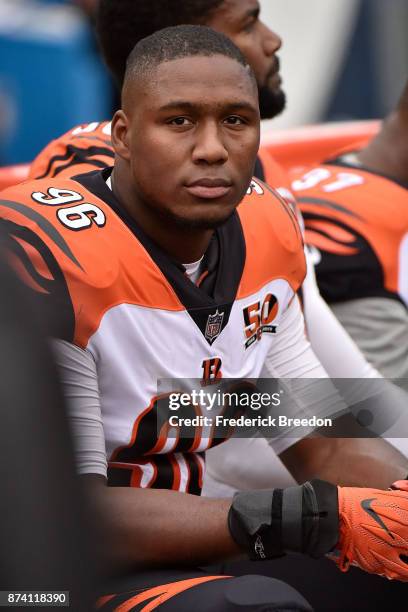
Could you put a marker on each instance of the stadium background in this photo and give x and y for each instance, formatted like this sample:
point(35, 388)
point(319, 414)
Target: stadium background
point(342, 60)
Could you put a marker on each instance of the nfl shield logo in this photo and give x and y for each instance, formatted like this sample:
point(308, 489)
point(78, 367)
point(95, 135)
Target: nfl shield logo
point(214, 326)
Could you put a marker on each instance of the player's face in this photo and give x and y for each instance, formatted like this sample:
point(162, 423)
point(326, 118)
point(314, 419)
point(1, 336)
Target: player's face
point(239, 20)
point(193, 137)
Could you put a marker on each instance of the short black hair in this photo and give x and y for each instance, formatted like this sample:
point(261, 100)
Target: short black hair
point(178, 42)
point(121, 24)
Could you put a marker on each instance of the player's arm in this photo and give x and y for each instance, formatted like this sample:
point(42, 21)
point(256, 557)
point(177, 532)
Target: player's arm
point(387, 152)
point(143, 526)
point(356, 462)
point(353, 460)
point(151, 526)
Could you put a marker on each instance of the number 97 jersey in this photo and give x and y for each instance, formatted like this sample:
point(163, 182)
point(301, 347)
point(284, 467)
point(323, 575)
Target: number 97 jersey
point(357, 225)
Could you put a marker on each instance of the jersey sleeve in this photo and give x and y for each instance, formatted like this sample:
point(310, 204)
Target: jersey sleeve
point(347, 361)
point(83, 149)
point(379, 327)
point(272, 236)
point(51, 230)
point(79, 380)
point(42, 256)
point(292, 360)
point(27, 240)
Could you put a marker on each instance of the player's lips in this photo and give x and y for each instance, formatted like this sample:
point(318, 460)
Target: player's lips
point(209, 189)
point(275, 68)
point(274, 75)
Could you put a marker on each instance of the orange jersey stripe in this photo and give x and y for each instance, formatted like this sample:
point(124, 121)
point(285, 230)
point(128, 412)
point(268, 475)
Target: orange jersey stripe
point(104, 600)
point(164, 593)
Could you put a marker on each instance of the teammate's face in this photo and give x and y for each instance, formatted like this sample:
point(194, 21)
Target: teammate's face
point(239, 20)
point(190, 134)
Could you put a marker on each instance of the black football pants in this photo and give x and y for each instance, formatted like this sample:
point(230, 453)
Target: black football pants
point(198, 591)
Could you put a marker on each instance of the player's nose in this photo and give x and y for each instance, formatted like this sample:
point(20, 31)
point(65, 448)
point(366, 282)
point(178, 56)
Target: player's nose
point(272, 42)
point(209, 146)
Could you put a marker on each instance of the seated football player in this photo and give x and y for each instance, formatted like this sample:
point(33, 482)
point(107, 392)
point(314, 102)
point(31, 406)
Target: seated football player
point(355, 207)
point(146, 271)
point(120, 26)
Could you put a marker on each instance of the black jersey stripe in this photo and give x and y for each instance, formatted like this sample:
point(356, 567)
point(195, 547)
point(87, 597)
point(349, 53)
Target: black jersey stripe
point(194, 487)
point(43, 224)
point(328, 204)
point(77, 155)
point(96, 163)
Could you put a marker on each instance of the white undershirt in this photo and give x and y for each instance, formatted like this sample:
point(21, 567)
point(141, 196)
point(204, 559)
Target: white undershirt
point(193, 270)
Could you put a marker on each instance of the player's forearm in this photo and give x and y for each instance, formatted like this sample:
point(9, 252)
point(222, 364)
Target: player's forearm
point(387, 152)
point(355, 462)
point(364, 463)
point(155, 527)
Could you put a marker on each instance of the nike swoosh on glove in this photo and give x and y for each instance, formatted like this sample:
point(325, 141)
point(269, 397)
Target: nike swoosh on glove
point(374, 531)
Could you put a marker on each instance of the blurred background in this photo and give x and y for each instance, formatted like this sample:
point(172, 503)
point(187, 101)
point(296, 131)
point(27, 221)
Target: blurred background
point(341, 60)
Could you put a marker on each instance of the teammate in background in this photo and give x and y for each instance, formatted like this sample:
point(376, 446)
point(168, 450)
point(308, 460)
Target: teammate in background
point(181, 251)
point(355, 208)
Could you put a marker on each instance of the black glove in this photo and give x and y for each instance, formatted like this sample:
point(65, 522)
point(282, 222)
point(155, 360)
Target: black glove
point(304, 518)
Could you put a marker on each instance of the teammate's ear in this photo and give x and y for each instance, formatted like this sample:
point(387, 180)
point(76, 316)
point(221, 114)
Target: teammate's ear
point(120, 134)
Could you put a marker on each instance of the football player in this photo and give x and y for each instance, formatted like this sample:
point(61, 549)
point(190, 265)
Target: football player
point(147, 279)
point(355, 206)
point(120, 25)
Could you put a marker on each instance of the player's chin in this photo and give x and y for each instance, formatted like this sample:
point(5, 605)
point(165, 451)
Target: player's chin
point(207, 216)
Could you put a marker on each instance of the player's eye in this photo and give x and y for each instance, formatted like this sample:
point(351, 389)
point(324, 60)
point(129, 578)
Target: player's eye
point(249, 26)
point(234, 120)
point(180, 121)
point(251, 22)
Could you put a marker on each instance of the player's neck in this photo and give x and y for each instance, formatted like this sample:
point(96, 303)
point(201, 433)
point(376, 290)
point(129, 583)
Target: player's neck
point(387, 153)
point(182, 244)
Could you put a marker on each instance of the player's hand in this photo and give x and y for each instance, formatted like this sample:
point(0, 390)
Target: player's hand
point(374, 531)
point(400, 485)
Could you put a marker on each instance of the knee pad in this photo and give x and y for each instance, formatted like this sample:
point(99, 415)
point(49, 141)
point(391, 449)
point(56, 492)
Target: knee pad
point(262, 594)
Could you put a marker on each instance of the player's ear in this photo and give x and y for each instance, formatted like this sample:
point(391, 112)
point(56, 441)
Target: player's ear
point(120, 134)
